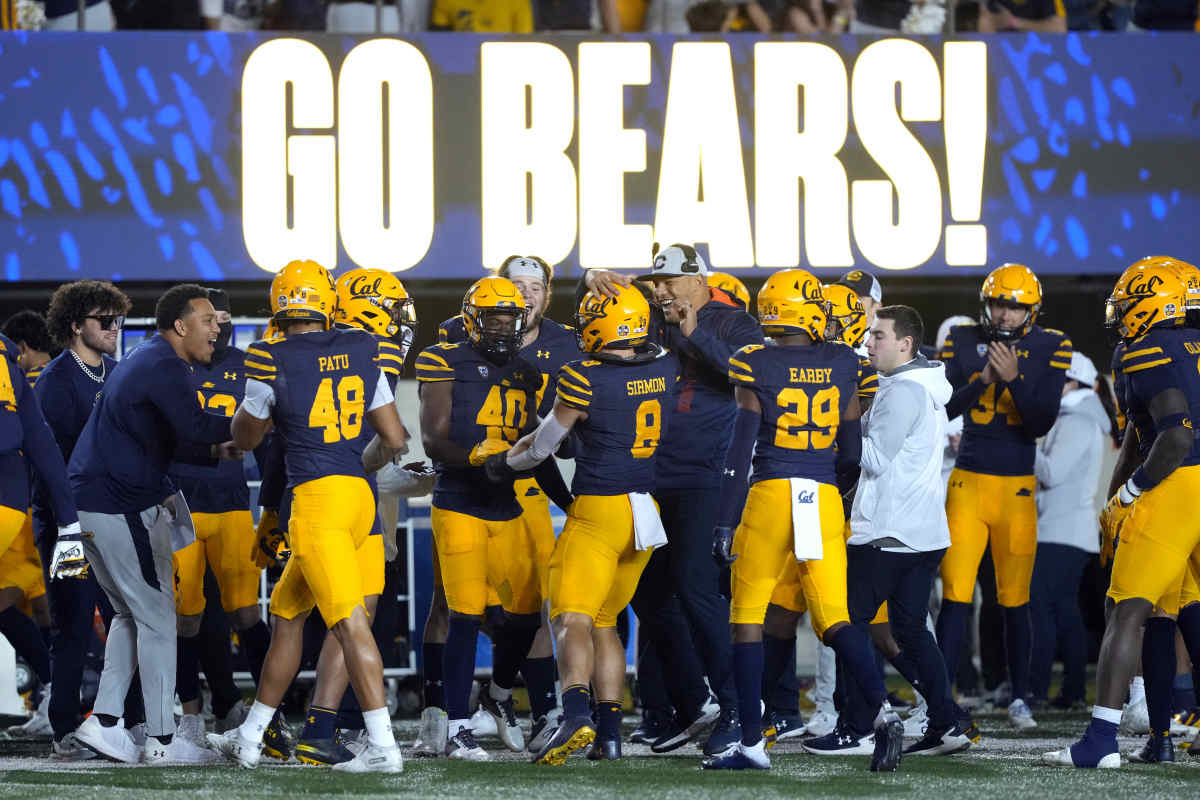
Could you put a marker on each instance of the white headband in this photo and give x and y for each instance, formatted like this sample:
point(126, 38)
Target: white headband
point(526, 268)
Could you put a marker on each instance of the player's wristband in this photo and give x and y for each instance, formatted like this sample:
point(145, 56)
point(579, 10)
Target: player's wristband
point(73, 529)
point(1128, 492)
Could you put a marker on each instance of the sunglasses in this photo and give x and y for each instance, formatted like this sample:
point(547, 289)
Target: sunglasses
point(108, 322)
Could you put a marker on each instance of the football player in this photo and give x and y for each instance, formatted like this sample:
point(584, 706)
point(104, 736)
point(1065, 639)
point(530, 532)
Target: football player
point(619, 402)
point(1150, 511)
point(375, 301)
point(85, 318)
point(546, 346)
point(1007, 374)
point(219, 500)
point(28, 330)
point(797, 417)
point(26, 441)
point(319, 385)
point(847, 324)
point(477, 398)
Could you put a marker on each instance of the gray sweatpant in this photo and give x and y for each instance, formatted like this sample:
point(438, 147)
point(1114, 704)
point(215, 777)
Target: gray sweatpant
point(131, 558)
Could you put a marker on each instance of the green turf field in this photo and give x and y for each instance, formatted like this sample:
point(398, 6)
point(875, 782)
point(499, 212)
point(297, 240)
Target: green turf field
point(999, 768)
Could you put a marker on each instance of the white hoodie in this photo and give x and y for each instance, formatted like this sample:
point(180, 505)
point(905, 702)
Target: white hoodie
point(901, 494)
point(1068, 472)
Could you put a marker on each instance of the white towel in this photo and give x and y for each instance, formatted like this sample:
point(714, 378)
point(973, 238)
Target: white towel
point(647, 525)
point(806, 519)
point(178, 519)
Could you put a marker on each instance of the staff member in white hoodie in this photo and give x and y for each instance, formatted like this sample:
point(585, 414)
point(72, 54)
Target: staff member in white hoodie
point(898, 521)
point(1068, 473)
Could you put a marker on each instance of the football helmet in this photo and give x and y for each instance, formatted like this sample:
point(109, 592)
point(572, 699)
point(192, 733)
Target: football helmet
point(1191, 281)
point(1151, 292)
point(376, 301)
point(730, 285)
point(847, 317)
point(493, 313)
point(1009, 283)
point(621, 321)
point(303, 291)
point(791, 302)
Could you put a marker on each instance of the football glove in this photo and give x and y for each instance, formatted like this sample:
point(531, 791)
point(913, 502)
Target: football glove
point(68, 560)
point(497, 469)
point(267, 540)
point(722, 545)
point(488, 447)
point(1116, 512)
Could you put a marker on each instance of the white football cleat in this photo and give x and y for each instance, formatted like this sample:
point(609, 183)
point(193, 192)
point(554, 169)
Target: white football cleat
point(234, 747)
point(69, 749)
point(1062, 758)
point(1020, 715)
point(1135, 719)
point(235, 717)
point(111, 742)
point(432, 735)
point(821, 723)
point(38, 724)
point(374, 759)
point(483, 723)
point(181, 750)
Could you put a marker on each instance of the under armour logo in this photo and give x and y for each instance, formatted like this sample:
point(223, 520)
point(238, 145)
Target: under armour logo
point(543, 353)
point(731, 472)
point(231, 376)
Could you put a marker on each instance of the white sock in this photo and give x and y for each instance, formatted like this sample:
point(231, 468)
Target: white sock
point(457, 725)
point(1137, 690)
point(257, 720)
point(1112, 715)
point(497, 693)
point(379, 727)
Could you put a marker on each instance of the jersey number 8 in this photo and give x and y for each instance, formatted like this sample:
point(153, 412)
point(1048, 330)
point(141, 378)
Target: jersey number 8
point(647, 428)
point(342, 419)
point(821, 411)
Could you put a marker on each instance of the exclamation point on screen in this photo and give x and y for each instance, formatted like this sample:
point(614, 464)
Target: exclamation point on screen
point(964, 67)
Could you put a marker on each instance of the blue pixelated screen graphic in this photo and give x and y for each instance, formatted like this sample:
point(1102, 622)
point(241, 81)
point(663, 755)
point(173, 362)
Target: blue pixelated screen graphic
point(121, 155)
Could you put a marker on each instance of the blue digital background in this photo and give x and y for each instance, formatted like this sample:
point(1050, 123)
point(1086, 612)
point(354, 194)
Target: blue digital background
point(120, 153)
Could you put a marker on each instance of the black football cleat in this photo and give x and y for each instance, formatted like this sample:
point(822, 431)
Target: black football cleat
point(889, 742)
point(605, 750)
point(573, 733)
point(278, 740)
point(322, 752)
point(1158, 749)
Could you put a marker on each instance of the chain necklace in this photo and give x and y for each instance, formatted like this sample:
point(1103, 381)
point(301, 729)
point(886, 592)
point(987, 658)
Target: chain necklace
point(88, 370)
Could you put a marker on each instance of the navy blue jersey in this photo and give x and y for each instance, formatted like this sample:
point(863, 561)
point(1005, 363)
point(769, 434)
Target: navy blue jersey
point(324, 382)
point(489, 402)
point(220, 387)
point(1002, 421)
point(26, 442)
point(868, 380)
point(629, 405)
point(555, 345)
point(1119, 386)
point(1164, 358)
point(146, 416)
point(802, 390)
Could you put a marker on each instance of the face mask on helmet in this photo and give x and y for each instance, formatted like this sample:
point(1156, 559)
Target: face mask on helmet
point(497, 332)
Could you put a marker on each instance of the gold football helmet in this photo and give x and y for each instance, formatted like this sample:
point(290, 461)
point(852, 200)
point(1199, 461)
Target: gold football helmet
point(303, 291)
point(1151, 292)
point(730, 285)
point(493, 313)
point(1009, 283)
point(791, 302)
point(376, 301)
point(621, 321)
point(847, 317)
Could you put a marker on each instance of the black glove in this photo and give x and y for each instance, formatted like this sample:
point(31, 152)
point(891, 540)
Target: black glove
point(497, 469)
point(722, 544)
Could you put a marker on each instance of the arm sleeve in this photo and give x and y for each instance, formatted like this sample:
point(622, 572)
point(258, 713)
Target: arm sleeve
point(717, 344)
point(383, 393)
point(1064, 450)
point(891, 420)
point(734, 476)
point(551, 481)
point(259, 399)
point(42, 451)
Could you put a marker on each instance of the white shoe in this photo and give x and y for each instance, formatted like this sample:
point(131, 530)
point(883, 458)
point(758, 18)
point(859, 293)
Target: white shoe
point(181, 750)
point(916, 723)
point(543, 729)
point(1020, 715)
point(432, 736)
point(1062, 758)
point(504, 719)
point(39, 723)
point(356, 742)
point(236, 716)
point(231, 745)
point(112, 742)
point(69, 749)
point(191, 727)
point(821, 723)
point(463, 747)
point(374, 759)
point(138, 734)
point(483, 723)
point(1181, 728)
point(1135, 718)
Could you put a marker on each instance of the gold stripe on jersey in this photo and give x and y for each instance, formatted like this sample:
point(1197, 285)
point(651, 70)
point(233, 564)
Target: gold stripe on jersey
point(869, 384)
point(1158, 362)
point(577, 377)
point(1063, 353)
point(563, 383)
point(1060, 364)
point(573, 401)
point(432, 367)
point(742, 365)
point(739, 377)
point(1146, 351)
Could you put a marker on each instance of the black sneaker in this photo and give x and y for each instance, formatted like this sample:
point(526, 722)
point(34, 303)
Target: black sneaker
point(1158, 749)
point(654, 725)
point(889, 741)
point(726, 733)
point(786, 725)
point(573, 733)
point(679, 734)
point(322, 752)
point(278, 739)
point(945, 741)
point(842, 742)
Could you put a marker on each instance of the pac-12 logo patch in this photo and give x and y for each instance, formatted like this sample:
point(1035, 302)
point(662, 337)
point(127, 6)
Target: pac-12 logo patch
point(483, 371)
point(981, 349)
